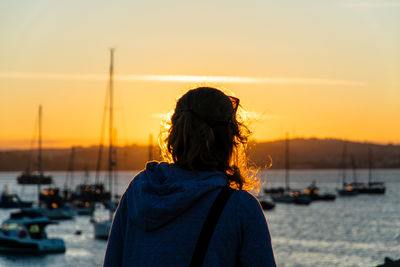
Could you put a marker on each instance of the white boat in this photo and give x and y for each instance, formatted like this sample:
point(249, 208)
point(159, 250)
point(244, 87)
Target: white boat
point(25, 232)
point(102, 229)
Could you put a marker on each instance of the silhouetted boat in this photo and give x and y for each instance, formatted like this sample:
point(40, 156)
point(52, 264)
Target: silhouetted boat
point(288, 195)
point(346, 190)
point(24, 233)
point(51, 205)
point(29, 177)
point(313, 191)
point(102, 228)
point(266, 204)
point(33, 179)
point(292, 198)
point(280, 190)
point(12, 201)
point(371, 187)
point(274, 190)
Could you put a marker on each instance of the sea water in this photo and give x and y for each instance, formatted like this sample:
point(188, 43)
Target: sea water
point(350, 231)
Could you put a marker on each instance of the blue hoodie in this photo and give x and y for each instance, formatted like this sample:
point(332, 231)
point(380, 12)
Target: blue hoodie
point(162, 211)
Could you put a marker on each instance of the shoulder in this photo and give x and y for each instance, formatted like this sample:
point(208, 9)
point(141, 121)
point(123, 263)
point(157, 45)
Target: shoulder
point(245, 199)
point(248, 208)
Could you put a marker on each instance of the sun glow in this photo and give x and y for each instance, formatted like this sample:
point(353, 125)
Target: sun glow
point(177, 78)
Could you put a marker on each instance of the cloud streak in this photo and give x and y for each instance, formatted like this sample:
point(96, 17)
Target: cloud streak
point(175, 78)
point(372, 5)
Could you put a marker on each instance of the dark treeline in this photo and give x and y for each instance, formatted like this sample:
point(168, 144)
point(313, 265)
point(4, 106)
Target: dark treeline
point(304, 154)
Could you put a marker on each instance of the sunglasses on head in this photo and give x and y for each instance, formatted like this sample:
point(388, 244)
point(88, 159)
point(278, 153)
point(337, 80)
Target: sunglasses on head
point(235, 102)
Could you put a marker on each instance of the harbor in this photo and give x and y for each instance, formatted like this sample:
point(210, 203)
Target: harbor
point(359, 231)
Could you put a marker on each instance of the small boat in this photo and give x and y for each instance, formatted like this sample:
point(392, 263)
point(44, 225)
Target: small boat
point(347, 190)
point(313, 191)
point(24, 233)
point(266, 205)
point(29, 177)
point(102, 229)
point(292, 198)
point(281, 190)
point(34, 179)
point(52, 205)
point(90, 193)
point(12, 201)
point(371, 187)
point(289, 195)
point(274, 190)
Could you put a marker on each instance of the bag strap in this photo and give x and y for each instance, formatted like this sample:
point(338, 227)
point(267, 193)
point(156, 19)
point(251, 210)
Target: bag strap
point(209, 226)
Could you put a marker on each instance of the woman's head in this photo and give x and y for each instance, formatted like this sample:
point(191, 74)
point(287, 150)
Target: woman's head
point(205, 135)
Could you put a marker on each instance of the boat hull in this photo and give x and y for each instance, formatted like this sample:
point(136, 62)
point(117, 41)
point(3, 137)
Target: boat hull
point(102, 229)
point(14, 205)
point(347, 193)
point(285, 198)
point(34, 179)
point(324, 197)
point(54, 214)
point(267, 205)
point(30, 246)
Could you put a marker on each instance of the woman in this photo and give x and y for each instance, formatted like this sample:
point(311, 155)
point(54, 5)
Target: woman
point(161, 213)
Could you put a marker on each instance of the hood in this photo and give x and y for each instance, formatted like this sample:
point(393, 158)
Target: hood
point(162, 192)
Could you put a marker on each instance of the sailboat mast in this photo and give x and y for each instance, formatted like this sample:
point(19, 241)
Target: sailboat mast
point(369, 164)
point(39, 159)
point(353, 166)
point(287, 164)
point(344, 155)
point(110, 152)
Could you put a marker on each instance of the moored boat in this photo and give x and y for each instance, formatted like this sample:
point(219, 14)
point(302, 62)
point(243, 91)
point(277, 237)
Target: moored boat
point(371, 187)
point(102, 229)
point(34, 179)
point(292, 198)
point(52, 206)
point(12, 201)
point(24, 233)
point(266, 204)
point(313, 191)
point(347, 190)
point(28, 177)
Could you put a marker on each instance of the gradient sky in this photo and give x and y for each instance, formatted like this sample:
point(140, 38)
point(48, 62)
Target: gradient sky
point(323, 68)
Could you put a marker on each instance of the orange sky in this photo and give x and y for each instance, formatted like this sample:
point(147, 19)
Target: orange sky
point(315, 68)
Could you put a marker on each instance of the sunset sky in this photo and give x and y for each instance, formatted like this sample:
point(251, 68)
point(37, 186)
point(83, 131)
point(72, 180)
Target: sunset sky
point(314, 68)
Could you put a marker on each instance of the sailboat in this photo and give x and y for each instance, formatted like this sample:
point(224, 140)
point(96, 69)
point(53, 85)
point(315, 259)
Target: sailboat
point(290, 196)
point(347, 189)
point(372, 187)
point(28, 177)
point(50, 204)
point(313, 191)
point(102, 228)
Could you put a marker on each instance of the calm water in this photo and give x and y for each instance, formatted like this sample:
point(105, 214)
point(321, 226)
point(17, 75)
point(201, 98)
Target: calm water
point(357, 231)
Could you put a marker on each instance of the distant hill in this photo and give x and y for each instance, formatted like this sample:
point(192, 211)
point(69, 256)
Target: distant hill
point(324, 154)
point(304, 154)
